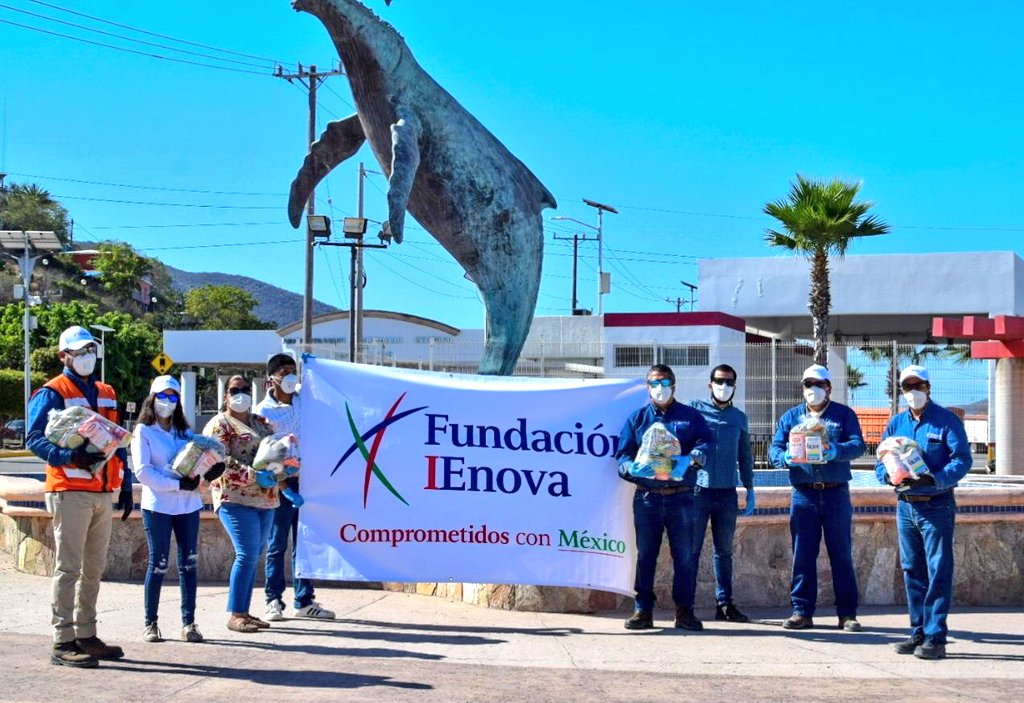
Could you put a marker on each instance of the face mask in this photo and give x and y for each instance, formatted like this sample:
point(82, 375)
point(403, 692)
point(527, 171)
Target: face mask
point(814, 396)
point(915, 399)
point(84, 365)
point(239, 403)
point(288, 383)
point(164, 408)
point(722, 393)
point(661, 394)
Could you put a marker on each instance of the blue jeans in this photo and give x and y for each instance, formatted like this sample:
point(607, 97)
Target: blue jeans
point(926, 555)
point(248, 529)
point(719, 506)
point(286, 524)
point(159, 527)
point(652, 515)
point(811, 514)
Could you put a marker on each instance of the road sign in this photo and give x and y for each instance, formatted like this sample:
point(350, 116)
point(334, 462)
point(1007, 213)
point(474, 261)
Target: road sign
point(129, 408)
point(162, 363)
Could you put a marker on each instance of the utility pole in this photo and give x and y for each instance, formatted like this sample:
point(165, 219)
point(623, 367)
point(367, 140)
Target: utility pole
point(678, 302)
point(603, 284)
point(692, 288)
point(311, 79)
point(576, 239)
point(355, 312)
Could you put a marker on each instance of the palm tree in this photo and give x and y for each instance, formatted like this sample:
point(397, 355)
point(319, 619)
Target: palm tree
point(820, 219)
point(29, 207)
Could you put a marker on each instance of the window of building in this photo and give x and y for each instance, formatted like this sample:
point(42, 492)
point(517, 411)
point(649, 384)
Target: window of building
point(634, 356)
point(691, 355)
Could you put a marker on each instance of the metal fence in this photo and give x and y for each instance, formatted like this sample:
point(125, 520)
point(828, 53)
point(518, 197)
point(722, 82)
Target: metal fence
point(865, 376)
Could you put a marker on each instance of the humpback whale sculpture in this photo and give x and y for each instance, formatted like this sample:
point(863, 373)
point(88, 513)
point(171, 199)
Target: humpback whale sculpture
point(477, 199)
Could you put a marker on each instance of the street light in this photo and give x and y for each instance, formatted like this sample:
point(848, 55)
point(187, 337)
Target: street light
point(27, 242)
point(103, 349)
point(603, 283)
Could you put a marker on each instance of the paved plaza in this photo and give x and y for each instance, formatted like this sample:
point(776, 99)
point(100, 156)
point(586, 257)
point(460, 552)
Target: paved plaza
point(399, 647)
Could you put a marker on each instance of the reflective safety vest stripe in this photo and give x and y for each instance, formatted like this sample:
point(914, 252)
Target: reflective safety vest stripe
point(70, 478)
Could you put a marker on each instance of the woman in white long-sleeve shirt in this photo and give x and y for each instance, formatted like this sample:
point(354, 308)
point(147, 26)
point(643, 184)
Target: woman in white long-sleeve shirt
point(170, 502)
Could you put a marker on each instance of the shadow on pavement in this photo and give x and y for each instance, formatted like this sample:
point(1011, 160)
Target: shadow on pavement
point(544, 631)
point(326, 651)
point(273, 677)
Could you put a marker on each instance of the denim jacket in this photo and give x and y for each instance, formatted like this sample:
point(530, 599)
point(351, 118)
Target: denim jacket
point(732, 445)
point(943, 444)
point(843, 433)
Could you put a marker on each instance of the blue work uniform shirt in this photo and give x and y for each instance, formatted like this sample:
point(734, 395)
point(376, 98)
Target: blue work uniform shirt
point(39, 406)
point(684, 422)
point(731, 434)
point(843, 433)
point(943, 444)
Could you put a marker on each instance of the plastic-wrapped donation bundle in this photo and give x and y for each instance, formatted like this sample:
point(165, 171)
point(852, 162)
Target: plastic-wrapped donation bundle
point(281, 457)
point(657, 448)
point(74, 426)
point(808, 442)
point(901, 458)
point(196, 457)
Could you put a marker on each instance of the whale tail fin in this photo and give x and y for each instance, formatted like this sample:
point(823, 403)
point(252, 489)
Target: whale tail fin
point(340, 140)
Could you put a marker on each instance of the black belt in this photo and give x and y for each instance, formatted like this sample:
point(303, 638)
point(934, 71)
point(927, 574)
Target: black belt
point(819, 486)
point(666, 491)
point(907, 498)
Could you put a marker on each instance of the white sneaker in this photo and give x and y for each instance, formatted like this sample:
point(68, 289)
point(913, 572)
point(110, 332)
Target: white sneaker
point(315, 612)
point(152, 633)
point(275, 611)
point(191, 633)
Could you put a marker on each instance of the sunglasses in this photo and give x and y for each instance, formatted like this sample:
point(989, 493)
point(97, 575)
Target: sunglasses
point(815, 384)
point(91, 349)
point(914, 386)
point(727, 381)
point(240, 390)
point(663, 382)
point(166, 396)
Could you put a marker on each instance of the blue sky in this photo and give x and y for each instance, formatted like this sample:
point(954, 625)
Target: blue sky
point(687, 117)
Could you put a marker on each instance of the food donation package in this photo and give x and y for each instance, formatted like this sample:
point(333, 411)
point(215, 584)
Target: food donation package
point(808, 441)
point(901, 457)
point(657, 447)
point(278, 455)
point(198, 455)
point(74, 426)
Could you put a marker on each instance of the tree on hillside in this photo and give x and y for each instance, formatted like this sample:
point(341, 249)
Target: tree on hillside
point(122, 268)
point(223, 308)
point(29, 207)
point(819, 220)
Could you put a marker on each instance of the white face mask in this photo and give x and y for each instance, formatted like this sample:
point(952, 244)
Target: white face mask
point(661, 394)
point(814, 396)
point(164, 408)
point(84, 365)
point(722, 393)
point(240, 403)
point(916, 399)
point(288, 383)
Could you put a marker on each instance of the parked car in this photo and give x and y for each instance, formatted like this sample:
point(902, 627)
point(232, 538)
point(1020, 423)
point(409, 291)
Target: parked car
point(14, 430)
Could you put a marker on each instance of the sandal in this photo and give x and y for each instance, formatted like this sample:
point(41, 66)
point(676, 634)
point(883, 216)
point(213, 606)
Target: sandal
point(241, 624)
point(257, 622)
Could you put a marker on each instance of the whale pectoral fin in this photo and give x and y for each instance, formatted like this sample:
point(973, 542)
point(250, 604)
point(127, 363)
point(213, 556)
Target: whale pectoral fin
point(405, 159)
point(340, 140)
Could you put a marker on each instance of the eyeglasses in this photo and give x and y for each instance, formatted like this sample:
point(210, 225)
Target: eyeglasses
point(810, 383)
point(914, 386)
point(663, 382)
point(727, 381)
point(240, 390)
point(90, 349)
point(166, 396)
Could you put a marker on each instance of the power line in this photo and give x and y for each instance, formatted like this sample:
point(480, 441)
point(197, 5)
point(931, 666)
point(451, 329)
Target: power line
point(121, 36)
point(131, 51)
point(141, 187)
point(154, 34)
point(224, 244)
point(194, 224)
point(137, 202)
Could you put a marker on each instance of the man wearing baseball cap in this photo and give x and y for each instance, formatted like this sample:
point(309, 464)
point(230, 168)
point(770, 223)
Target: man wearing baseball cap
point(78, 492)
point(926, 511)
point(820, 502)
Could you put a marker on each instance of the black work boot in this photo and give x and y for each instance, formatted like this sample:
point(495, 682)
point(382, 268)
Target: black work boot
point(639, 620)
point(731, 613)
point(70, 654)
point(686, 620)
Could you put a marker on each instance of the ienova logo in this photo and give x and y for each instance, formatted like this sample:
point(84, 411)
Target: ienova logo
point(457, 454)
point(370, 455)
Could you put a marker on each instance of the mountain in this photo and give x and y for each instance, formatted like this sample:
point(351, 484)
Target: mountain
point(276, 305)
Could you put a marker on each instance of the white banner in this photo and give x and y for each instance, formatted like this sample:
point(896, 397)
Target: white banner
point(431, 477)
